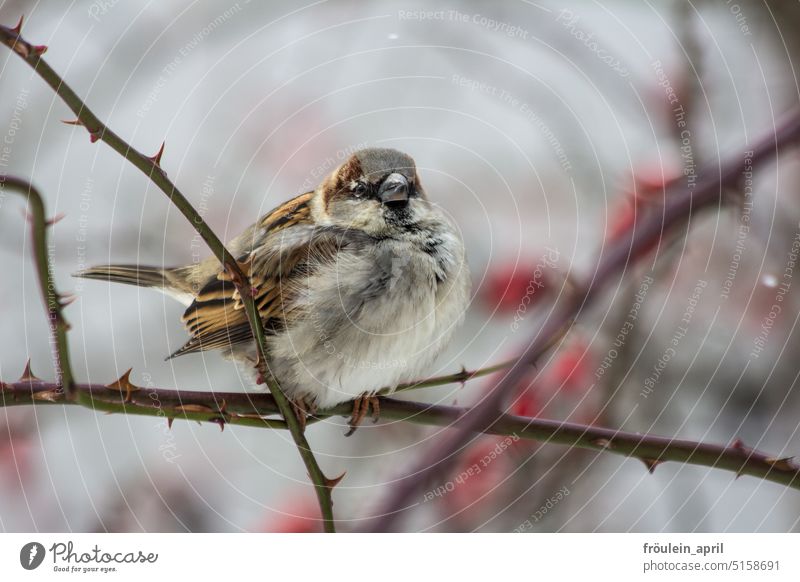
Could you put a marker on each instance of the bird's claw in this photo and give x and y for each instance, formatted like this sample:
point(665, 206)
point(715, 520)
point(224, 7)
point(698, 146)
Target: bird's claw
point(303, 408)
point(361, 409)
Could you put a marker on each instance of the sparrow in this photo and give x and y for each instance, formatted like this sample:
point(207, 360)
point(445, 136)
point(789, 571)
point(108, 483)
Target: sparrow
point(360, 285)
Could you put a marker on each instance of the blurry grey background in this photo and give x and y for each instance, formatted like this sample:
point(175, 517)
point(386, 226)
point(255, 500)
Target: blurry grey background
point(532, 123)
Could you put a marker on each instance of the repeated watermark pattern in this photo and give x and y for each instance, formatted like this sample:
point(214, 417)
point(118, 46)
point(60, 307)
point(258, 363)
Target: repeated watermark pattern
point(741, 20)
point(52, 316)
point(197, 245)
point(782, 288)
point(536, 284)
point(14, 126)
point(743, 230)
point(509, 30)
point(627, 326)
point(681, 123)
point(100, 8)
point(169, 448)
point(169, 69)
point(82, 233)
point(322, 169)
point(475, 469)
point(328, 344)
point(545, 508)
point(520, 106)
point(570, 22)
point(681, 330)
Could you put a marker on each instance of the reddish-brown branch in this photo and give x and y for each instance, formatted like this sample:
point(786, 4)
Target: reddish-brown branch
point(251, 409)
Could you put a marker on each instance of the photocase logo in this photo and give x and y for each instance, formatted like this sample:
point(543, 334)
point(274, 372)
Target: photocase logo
point(31, 555)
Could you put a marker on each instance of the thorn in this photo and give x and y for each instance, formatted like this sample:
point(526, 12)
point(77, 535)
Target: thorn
point(233, 276)
point(300, 415)
point(261, 371)
point(331, 483)
point(56, 219)
point(464, 376)
point(223, 407)
point(651, 464)
point(229, 274)
point(782, 464)
point(169, 422)
point(156, 159)
point(18, 28)
point(27, 374)
point(601, 442)
point(738, 446)
point(93, 135)
point(66, 299)
point(26, 50)
point(49, 396)
point(220, 421)
point(124, 385)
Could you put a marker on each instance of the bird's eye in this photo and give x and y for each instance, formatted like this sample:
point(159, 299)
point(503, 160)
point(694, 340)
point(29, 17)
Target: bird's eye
point(360, 189)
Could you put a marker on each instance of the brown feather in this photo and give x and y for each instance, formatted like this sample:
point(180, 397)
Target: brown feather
point(337, 184)
point(216, 319)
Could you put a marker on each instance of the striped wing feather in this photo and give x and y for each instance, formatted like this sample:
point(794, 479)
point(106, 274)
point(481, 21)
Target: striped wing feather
point(282, 244)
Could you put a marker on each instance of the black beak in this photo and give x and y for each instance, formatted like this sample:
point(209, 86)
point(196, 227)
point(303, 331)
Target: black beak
point(394, 190)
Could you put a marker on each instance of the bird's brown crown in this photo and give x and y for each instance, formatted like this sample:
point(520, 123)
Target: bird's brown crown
point(368, 168)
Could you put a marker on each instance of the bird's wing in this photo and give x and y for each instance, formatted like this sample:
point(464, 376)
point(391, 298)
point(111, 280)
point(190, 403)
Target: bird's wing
point(284, 244)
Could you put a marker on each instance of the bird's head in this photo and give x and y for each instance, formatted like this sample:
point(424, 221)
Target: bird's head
point(376, 190)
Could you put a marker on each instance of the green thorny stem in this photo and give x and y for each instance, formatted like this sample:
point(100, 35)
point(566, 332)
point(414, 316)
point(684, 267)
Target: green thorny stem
point(54, 302)
point(151, 167)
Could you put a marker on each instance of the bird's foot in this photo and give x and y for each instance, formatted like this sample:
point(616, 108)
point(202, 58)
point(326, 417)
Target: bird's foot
point(360, 409)
point(303, 408)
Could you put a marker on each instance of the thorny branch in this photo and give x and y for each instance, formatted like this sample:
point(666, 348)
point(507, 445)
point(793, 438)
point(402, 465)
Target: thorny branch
point(151, 167)
point(53, 301)
point(248, 409)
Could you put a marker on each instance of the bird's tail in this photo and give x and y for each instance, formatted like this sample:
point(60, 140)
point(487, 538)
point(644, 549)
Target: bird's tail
point(173, 282)
point(129, 274)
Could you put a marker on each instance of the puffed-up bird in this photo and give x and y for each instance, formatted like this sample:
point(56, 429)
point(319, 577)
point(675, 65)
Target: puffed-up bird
point(360, 285)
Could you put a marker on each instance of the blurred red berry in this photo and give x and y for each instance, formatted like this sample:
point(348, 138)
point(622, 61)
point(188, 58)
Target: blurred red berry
point(298, 515)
